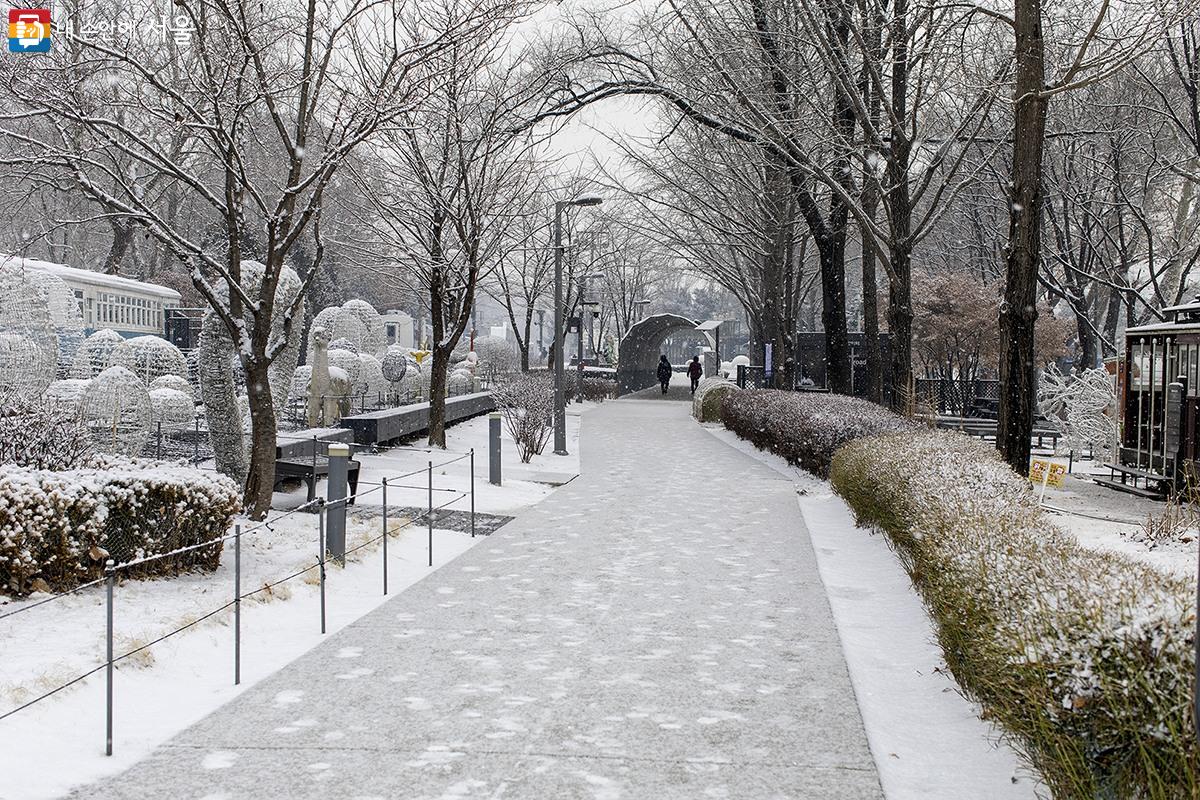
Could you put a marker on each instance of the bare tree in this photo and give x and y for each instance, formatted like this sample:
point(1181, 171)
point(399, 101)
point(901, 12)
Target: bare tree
point(452, 174)
point(269, 100)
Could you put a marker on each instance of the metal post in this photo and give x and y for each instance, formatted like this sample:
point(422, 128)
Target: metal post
point(1142, 378)
point(430, 515)
point(337, 492)
point(159, 440)
point(560, 410)
point(385, 537)
point(1150, 430)
point(472, 492)
point(321, 556)
point(196, 443)
point(237, 605)
point(579, 342)
point(494, 448)
point(110, 579)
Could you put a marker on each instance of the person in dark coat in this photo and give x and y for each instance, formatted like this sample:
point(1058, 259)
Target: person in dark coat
point(695, 372)
point(664, 373)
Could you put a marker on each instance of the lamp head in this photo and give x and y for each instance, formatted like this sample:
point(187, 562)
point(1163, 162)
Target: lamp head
point(587, 201)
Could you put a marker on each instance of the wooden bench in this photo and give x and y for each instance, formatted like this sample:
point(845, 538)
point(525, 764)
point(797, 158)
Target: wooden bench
point(310, 470)
point(1160, 482)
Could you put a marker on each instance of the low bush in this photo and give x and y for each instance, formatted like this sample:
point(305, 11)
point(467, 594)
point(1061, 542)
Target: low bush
point(599, 389)
point(57, 528)
point(806, 428)
point(527, 405)
point(1086, 658)
point(708, 400)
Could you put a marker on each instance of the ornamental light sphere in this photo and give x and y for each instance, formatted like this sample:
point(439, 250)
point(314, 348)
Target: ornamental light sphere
point(150, 358)
point(175, 382)
point(67, 393)
point(349, 364)
point(28, 342)
point(95, 353)
point(373, 336)
point(173, 409)
point(370, 377)
point(116, 410)
point(395, 364)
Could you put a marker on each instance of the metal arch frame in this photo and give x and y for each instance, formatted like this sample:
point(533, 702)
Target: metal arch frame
point(640, 348)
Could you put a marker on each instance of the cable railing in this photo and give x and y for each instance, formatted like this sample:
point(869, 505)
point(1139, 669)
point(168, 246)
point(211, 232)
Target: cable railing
point(323, 508)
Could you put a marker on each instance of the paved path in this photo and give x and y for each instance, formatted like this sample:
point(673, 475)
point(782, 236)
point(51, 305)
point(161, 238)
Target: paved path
point(655, 629)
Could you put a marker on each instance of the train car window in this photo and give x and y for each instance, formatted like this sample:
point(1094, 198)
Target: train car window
point(1192, 370)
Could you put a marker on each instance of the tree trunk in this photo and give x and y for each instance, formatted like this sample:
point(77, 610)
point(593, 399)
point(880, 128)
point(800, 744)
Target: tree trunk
point(121, 242)
point(523, 341)
point(438, 370)
point(1018, 313)
point(260, 480)
point(870, 303)
point(839, 374)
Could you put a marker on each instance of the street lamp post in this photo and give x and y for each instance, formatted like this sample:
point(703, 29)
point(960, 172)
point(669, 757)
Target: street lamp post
point(560, 401)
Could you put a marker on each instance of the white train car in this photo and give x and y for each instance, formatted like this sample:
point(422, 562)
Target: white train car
point(129, 307)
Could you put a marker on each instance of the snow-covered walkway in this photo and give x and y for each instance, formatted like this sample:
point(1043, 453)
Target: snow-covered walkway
point(655, 629)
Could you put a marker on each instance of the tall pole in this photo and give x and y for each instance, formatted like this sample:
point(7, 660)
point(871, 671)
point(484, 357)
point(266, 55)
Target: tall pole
point(579, 340)
point(560, 408)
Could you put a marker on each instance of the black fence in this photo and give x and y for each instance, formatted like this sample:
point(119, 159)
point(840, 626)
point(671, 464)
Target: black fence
point(959, 398)
point(755, 376)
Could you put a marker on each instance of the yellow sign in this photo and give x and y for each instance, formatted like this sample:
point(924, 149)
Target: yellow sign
point(1043, 471)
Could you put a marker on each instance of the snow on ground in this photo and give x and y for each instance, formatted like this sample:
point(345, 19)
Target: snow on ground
point(1106, 519)
point(59, 743)
point(927, 740)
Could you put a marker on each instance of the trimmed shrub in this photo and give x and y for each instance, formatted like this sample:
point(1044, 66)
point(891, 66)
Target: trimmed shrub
point(1085, 657)
point(57, 528)
point(599, 389)
point(806, 428)
point(709, 398)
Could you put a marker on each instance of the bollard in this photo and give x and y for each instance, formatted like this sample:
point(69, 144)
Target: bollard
point(237, 605)
point(385, 536)
point(472, 492)
point(335, 493)
point(321, 557)
point(429, 516)
point(494, 448)
point(110, 579)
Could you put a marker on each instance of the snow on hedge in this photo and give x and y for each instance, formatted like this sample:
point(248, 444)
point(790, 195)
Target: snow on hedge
point(57, 527)
point(806, 427)
point(1086, 658)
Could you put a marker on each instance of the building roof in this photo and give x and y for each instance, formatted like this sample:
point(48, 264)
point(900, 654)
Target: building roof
point(95, 278)
point(1163, 327)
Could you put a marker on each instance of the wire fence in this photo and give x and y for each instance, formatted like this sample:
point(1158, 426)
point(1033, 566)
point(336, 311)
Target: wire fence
point(324, 508)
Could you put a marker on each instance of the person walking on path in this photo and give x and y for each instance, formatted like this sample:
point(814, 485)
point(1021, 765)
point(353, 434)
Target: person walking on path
point(695, 372)
point(664, 373)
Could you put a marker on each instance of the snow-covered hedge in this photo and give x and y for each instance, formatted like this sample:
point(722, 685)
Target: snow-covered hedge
point(1086, 658)
point(58, 527)
point(709, 399)
point(806, 428)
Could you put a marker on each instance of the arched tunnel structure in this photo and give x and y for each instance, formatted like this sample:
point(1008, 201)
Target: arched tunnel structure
point(641, 346)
